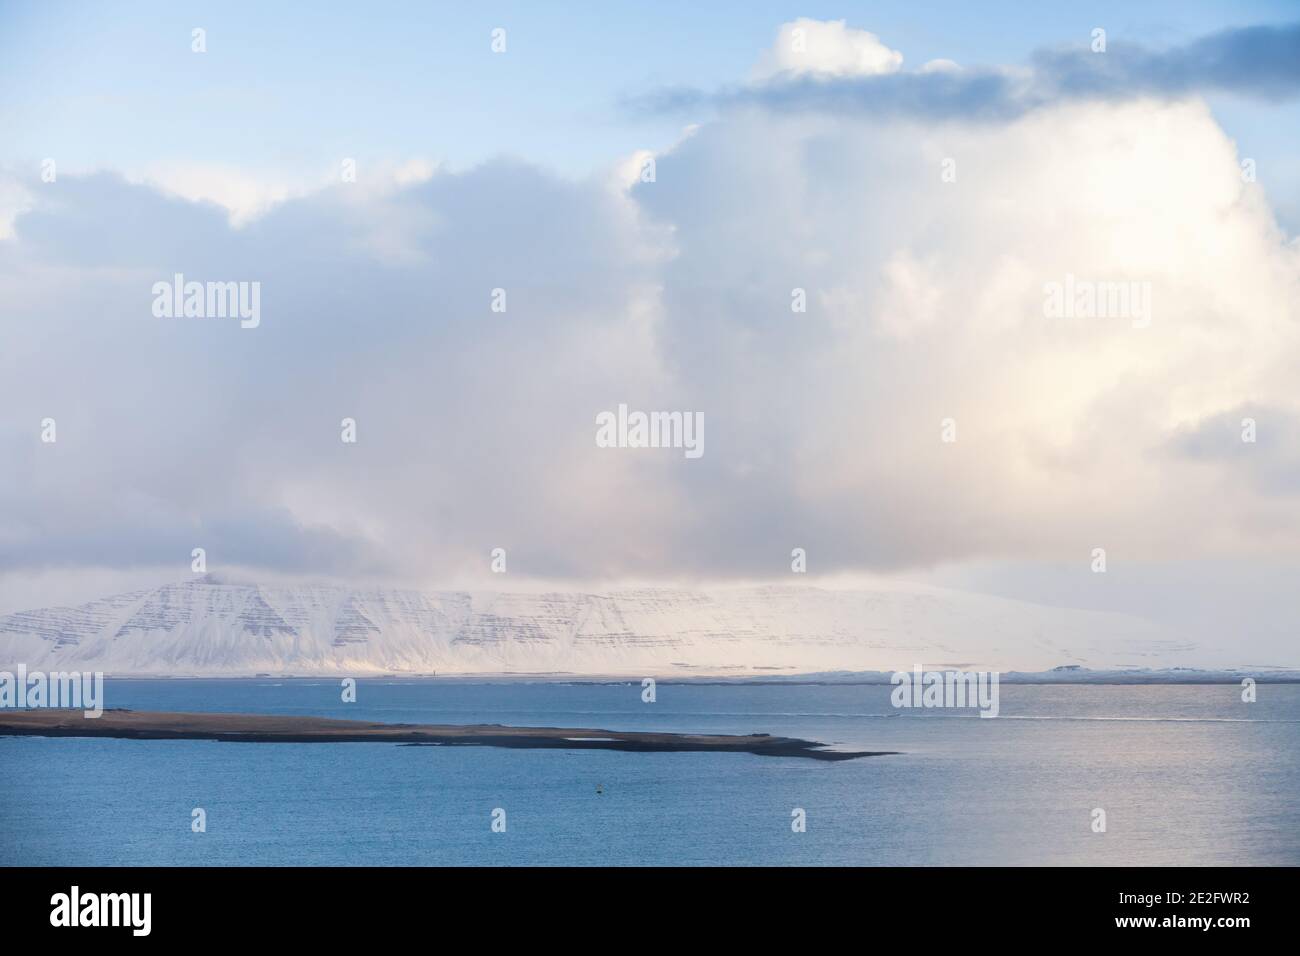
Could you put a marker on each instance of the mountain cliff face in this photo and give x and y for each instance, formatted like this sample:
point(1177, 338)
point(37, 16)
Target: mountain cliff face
point(208, 627)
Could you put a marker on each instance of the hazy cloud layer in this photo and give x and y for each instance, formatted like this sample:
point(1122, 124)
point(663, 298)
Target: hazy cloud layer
point(925, 301)
point(1260, 61)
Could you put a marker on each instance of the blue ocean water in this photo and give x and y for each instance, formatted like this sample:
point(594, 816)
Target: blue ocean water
point(1186, 775)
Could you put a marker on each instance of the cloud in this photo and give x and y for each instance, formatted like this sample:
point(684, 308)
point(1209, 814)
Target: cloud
point(968, 94)
point(826, 48)
point(196, 433)
point(14, 199)
point(1251, 441)
point(245, 196)
point(1261, 62)
point(925, 301)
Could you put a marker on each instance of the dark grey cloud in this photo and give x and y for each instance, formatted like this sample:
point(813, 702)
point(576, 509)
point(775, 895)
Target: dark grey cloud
point(976, 94)
point(1260, 61)
point(1271, 459)
point(140, 536)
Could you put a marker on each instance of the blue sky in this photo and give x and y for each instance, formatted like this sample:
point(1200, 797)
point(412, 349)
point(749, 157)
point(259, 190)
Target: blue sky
point(290, 88)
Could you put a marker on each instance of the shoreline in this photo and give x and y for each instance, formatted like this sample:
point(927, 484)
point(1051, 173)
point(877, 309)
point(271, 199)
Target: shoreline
point(270, 728)
point(1110, 678)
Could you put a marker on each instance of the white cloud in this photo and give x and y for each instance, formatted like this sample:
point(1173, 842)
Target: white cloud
point(828, 48)
point(930, 304)
point(243, 195)
point(476, 428)
point(940, 66)
point(246, 195)
point(15, 198)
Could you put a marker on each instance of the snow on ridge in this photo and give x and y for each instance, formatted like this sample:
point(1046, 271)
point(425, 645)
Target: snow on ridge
point(208, 626)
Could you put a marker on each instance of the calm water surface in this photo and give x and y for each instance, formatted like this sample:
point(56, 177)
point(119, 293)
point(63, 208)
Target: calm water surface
point(1186, 775)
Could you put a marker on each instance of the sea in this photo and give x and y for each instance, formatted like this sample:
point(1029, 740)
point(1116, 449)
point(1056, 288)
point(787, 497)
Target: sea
point(1099, 775)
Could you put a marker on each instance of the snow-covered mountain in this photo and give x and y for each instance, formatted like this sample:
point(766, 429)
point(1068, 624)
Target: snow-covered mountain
point(209, 627)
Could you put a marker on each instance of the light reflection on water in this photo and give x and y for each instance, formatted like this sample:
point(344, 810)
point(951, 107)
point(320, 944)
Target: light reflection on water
point(1186, 775)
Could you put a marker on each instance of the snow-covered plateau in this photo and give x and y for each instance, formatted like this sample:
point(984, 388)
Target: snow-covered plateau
point(209, 627)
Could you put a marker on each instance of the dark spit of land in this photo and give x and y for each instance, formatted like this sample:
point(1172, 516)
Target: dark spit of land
point(271, 728)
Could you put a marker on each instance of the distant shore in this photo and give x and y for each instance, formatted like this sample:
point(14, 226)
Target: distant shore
point(1059, 675)
point(268, 728)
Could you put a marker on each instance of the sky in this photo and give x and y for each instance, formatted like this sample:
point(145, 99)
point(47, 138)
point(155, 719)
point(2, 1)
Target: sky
point(281, 93)
point(922, 178)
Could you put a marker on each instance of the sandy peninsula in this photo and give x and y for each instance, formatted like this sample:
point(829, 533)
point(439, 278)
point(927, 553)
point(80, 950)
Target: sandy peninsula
point(270, 728)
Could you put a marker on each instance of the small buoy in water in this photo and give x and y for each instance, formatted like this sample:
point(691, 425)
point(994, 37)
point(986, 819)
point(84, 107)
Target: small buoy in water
point(600, 788)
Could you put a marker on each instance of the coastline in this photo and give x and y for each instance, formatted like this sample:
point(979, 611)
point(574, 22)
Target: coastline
point(268, 728)
point(1263, 674)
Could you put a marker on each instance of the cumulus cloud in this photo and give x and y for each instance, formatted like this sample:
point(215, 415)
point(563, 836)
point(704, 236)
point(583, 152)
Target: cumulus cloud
point(826, 48)
point(924, 248)
point(928, 302)
point(174, 434)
